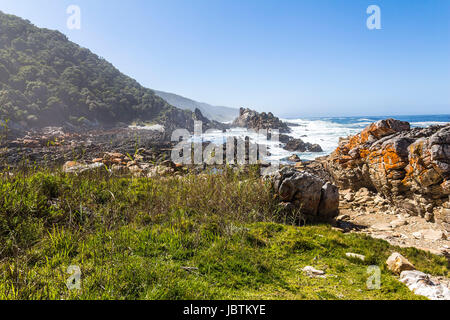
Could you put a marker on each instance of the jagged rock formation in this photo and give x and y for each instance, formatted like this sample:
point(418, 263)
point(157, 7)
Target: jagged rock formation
point(409, 167)
point(314, 198)
point(253, 120)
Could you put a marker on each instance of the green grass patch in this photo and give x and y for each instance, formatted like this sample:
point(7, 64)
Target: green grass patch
point(191, 237)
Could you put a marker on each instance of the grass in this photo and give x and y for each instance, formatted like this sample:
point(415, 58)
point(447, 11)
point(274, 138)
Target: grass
point(191, 237)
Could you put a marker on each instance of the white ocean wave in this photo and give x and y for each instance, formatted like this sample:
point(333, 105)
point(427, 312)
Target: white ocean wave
point(425, 124)
point(325, 131)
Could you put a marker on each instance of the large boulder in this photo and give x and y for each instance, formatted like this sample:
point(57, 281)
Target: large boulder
point(410, 167)
point(398, 263)
point(298, 145)
point(251, 119)
point(329, 202)
point(316, 199)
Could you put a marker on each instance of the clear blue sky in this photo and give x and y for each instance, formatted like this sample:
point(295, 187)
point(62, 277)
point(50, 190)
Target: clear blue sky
point(292, 57)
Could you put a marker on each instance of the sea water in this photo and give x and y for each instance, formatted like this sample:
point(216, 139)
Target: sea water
point(324, 131)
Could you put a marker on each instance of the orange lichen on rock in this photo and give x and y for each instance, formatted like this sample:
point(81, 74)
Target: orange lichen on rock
point(391, 159)
point(363, 153)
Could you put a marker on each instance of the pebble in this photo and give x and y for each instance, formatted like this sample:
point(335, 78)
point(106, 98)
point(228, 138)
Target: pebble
point(313, 272)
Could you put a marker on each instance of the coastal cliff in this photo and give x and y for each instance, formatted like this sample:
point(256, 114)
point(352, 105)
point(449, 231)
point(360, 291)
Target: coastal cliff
point(409, 167)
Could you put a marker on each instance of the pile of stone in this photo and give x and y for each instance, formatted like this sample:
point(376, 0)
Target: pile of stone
point(45, 137)
point(120, 164)
point(366, 200)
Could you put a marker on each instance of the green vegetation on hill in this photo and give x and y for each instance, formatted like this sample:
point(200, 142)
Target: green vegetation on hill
point(191, 237)
point(217, 113)
point(47, 80)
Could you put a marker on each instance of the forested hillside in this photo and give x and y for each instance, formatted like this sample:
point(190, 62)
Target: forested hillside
point(47, 80)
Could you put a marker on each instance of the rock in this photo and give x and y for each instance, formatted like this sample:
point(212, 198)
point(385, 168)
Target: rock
point(299, 166)
point(343, 217)
point(76, 168)
point(159, 171)
point(363, 193)
point(410, 167)
point(355, 255)
point(398, 263)
point(312, 272)
point(295, 145)
point(329, 202)
point(428, 217)
point(253, 120)
point(113, 155)
point(117, 161)
point(417, 235)
point(317, 200)
point(430, 250)
point(132, 163)
point(298, 145)
point(382, 227)
point(315, 148)
point(443, 217)
point(365, 199)
point(421, 284)
point(294, 158)
point(432, 235)
point(398, 223)
point(349, 197)
point(136, 171)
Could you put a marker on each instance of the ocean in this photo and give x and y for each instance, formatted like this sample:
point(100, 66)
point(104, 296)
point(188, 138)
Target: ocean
point(325, 131)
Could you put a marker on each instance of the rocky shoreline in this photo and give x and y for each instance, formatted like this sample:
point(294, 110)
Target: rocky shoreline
point(387, 169)
point(410, 168)
point(389, 182)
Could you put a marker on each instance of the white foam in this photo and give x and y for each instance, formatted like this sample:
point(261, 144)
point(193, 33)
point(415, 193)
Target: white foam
point(324, 132)
point(426, 124)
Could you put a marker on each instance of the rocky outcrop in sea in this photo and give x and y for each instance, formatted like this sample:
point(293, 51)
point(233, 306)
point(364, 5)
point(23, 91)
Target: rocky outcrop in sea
point(298, 145)
point(251, 119)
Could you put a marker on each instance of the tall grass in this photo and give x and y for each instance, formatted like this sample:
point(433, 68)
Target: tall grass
point(197, 236)
point(33, 204)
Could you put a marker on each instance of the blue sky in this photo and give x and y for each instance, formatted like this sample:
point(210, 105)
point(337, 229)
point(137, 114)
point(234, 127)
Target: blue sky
point(292, 57)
